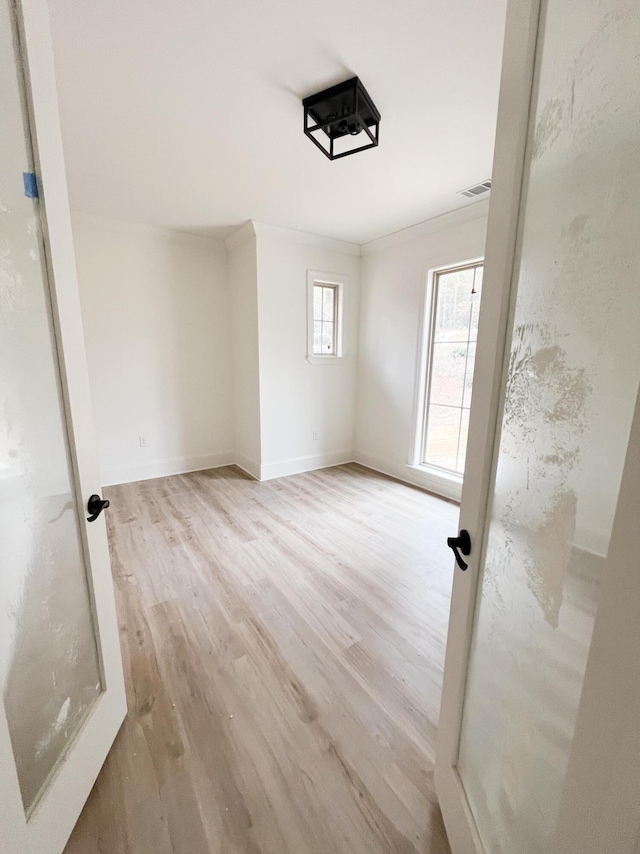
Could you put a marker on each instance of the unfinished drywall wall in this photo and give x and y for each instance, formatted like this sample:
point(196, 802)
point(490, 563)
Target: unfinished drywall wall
point(157, 317)
point(307, 411)
point(394, 278)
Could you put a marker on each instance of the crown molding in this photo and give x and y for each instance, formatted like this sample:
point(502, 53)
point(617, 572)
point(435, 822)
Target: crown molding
point(291, 235)
point(459, 216)
point(240, 236)
point(253, 228)
point(126, 227)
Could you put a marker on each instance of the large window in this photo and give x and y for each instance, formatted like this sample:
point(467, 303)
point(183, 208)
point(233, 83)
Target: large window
point(455, 305)
point(325, 293)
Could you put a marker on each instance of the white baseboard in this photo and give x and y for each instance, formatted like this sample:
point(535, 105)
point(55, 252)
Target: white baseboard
point(410, 474)
point(182, 465)
point(248, 466)
point(164, 468)
point(270, 471)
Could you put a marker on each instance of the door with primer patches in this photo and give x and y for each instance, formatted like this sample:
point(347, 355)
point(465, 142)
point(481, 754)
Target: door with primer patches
point(60, 667)
point(542, 512)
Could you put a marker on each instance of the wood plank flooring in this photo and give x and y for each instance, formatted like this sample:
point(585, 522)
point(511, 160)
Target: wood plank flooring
point(283, 645)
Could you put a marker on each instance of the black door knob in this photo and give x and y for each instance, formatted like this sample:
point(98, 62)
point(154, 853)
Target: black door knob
point(460, 544)
point(95, 506)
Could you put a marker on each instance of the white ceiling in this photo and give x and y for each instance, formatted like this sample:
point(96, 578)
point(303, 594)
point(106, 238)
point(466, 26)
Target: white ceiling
point(186, 113)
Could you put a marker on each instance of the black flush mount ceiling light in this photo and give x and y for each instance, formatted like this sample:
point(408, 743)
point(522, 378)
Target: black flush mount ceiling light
point(342, 120)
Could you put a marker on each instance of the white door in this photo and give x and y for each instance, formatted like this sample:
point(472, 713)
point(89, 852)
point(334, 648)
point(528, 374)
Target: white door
point(531, 759)
point(60, 668)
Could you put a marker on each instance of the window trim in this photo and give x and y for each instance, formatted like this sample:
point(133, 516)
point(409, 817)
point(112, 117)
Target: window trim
point(338, 281)
point(447, 478)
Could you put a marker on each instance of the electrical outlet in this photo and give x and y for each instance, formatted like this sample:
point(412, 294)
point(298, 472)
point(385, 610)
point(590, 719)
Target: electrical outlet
point(144, 442)
point(314, 435)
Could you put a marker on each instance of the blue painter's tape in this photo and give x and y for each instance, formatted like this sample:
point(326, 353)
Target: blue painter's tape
point(30, 185)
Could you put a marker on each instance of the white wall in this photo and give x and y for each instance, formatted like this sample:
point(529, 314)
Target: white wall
point(243, 276)
point(157, 317)
point(298, 399)
point(201, 348)
point(394, 276)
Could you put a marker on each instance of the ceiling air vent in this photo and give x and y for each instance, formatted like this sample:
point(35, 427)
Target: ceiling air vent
point(476, 190)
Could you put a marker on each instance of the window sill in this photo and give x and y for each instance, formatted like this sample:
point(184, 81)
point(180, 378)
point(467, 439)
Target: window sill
point(326, 360)
point(444, 483)
point(454, 477)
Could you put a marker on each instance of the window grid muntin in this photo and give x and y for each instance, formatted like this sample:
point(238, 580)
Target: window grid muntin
point(319, 321)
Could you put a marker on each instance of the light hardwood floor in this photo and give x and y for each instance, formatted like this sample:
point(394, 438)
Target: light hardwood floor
point(283, 645)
